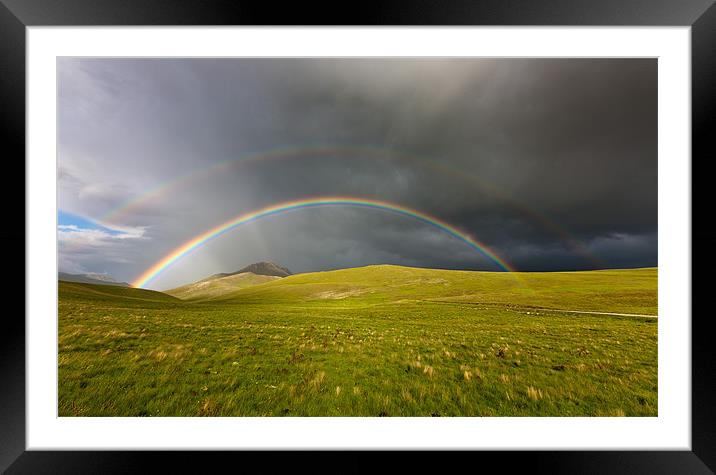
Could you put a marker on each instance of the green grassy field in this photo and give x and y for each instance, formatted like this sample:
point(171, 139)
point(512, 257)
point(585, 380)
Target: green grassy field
point(373, 341)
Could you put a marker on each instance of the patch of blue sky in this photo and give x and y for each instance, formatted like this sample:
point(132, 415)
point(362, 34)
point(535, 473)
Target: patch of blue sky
point(68, 219)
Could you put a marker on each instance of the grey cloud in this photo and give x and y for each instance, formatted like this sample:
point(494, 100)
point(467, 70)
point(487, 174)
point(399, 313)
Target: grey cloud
point(537, 158)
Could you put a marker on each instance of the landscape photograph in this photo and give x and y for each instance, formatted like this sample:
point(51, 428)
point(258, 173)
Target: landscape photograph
point(370, 237)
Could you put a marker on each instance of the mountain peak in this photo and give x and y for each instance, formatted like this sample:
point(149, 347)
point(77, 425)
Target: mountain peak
point(265, 268)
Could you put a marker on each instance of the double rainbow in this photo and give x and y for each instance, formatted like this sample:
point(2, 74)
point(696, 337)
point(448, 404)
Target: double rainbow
point(234, 222)
point(118, 214)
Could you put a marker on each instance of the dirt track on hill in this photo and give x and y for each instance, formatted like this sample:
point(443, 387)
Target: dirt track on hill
point(595, 313)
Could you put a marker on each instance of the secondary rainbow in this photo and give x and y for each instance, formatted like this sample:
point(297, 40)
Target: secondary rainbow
point(287, 206)
point(162, 190)
point(118, 214)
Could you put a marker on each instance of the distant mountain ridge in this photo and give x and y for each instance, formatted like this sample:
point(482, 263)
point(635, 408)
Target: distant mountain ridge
point(261, 268)
point(216, 286)
point(227, 282)
point(100, 279)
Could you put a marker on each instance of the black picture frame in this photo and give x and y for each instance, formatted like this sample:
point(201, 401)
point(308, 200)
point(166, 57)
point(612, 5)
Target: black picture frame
point(16, 15)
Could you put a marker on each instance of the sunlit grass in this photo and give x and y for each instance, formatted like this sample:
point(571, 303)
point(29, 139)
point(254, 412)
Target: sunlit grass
point(152, 355)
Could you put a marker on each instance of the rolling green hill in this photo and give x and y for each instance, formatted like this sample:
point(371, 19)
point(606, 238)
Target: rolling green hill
point(371, 341)
point(110, 293)
point(216, 286)
point(621, 290)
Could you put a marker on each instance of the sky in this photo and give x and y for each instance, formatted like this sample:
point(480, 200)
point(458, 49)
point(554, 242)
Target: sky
point(550, 163)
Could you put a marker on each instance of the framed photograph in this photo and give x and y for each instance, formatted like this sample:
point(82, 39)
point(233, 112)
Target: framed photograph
point(466, 227)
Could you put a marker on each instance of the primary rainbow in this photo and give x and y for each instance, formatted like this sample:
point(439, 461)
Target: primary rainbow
point(119, 213)
point(226, 226)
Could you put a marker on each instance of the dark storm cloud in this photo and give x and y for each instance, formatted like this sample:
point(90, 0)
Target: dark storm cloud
point(547, 161)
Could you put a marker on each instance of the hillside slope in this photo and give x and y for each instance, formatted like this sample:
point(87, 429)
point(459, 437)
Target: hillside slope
point(216, 286)
point(374, 341)
point(69, 291)
point(620, 290)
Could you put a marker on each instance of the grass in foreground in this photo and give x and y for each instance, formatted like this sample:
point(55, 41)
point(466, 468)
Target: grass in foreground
point(158, 356)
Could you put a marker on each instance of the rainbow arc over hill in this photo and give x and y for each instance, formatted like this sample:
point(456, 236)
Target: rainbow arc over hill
point(328, 201)
point(117, 215)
